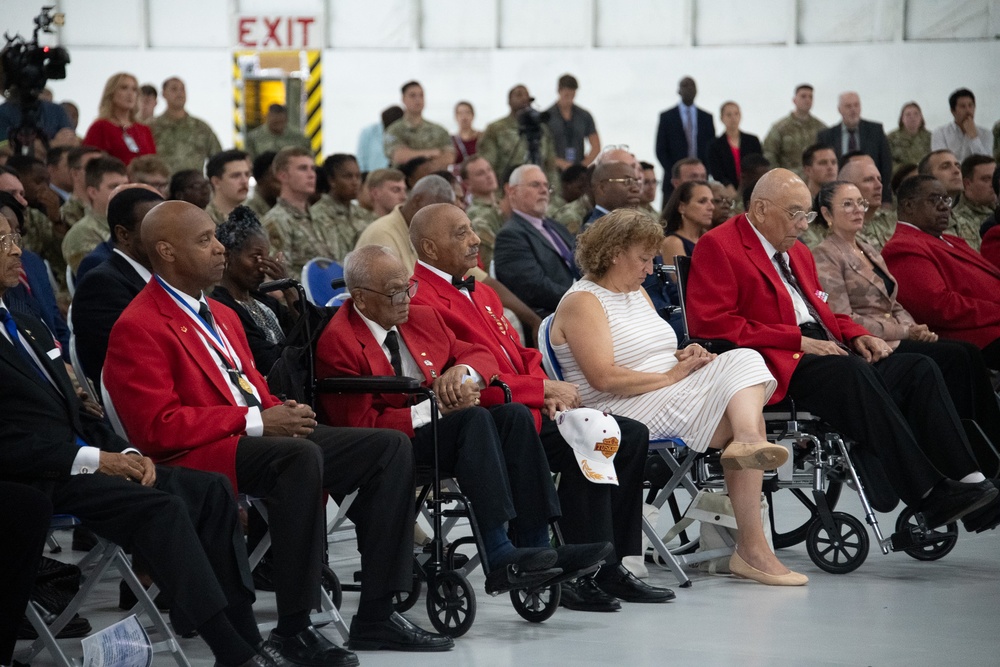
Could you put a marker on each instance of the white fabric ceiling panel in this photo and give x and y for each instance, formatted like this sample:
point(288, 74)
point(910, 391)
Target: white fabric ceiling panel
point(955, 19)
point(198, 23)
point(376, 24)
point(529, 23)
point(735, 22)
point(643, 23)
point(849, 21)
point(101, 23)
point(456, 24)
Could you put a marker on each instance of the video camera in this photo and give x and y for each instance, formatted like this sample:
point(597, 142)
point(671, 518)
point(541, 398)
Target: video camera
point(529, 122)
point(25, 68)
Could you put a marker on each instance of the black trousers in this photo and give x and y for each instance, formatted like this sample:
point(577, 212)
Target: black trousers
point(991, 355)
point(24, 522)
point(290, 475)
point(964, 372)
point(185, 528)
point(499, 463)
point(898, 407)
point(601, 512)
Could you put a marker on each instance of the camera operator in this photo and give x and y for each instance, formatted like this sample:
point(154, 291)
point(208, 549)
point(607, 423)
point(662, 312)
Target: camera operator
point(522, 137)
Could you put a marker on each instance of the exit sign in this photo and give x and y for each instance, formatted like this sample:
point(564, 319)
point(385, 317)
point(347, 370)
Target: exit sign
point(263, 32)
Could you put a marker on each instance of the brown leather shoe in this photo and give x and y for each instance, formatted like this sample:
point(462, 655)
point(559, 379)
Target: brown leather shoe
point(753, 456)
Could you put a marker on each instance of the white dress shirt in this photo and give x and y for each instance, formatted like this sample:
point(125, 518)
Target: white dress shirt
point(802, 315)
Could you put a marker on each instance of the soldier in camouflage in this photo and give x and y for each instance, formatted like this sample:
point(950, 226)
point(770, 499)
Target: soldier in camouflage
point(104, 174)
point(413, 136)
point(183, 141)
point(229, 175)
point(289, 225)
point(880, 219)
point(787, 138)
point(274, 134)
point(506, 147)
point(77, 205)
point(484, 210)
point(267, 188)
point(337, 220)
point(977, 202)
point(911, 141)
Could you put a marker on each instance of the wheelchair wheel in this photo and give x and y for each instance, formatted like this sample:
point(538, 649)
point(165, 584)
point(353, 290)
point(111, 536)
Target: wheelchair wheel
point(938, 543)
point(788, 533)
point(842, 551)
point(451, 604)
point(331, 584)
point(404, 600)
point(538, 605)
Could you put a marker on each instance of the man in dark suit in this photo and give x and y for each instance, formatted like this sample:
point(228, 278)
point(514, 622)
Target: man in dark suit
point(182, 523)
point(493, 452)
point(684, 131)
point(854, 133)
point(533, 255)
point(754, 284)
point(614, 185)
point(180, 372)
point(105, 291)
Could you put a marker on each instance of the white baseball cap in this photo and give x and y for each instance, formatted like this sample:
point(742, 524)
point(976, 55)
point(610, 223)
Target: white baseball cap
point(594, 437)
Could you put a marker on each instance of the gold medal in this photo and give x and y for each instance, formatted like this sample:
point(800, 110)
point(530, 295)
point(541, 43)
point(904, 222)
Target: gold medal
point(244, 383)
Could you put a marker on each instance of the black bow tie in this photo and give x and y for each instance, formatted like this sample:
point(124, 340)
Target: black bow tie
point(467, 283)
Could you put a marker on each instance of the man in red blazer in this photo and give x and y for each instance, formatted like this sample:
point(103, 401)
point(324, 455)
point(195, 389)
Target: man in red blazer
point(493, 452)
point(447, 248)
point(943, 282)
point(181, 375)
point(742, 289)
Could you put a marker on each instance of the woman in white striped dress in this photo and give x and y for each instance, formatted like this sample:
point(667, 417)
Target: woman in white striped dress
point(610, 341)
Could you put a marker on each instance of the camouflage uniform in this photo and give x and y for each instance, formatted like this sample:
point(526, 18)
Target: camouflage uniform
point(556, 202)
point(573, 214)
point(648, 208)
point(996, 141)
point(503, 147)
point(966, 218)
point(908, 148)
point(258, 205)
point(486, 222)
point(72, 210)
point(339, 226)
point(90, 232)
point(815, 234)
point(39, 237)
point(260, 140)
point(787, 138)
point(416, 137)
point(291, 232)
point(877, 231)
point(215, 214)
point(184, 143)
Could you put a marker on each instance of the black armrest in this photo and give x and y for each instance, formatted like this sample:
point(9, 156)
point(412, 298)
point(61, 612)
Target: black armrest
point(385, 384)
point(714, 345)
point(507, 396)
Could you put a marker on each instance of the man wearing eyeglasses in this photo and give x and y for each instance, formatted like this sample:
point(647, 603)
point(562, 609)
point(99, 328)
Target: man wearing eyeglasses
point(533, 255)
point(615, 186)
point(752, 283)
point(943, 282)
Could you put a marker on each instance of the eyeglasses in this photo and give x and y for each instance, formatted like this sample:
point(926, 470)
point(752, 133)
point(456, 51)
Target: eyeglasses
point(797, 216)
point(629, 181)
point(539, 185)
point(8, 241)
point(859, 204)
point(723, 201)
point(398, 298)
point(936, 200)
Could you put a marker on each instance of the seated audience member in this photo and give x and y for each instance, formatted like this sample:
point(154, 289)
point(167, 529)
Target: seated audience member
point(191, 186)
point(33, 293)
point(859, 285)
point(819, 167)
point(103, 175)
point(880, 220)
point(911, 140)
point(180, 372)
point(688, 169)
point(493, 452)
point(447, 248)
point(34, 176)
point(533, 256)
point(945, 167)
point(78, 203)
point(726, 151)
point(977, 202)
point(649, 183)
point(577, 209)
point(991, 235)
point(39, 233)
point(962, 136)
point(386, 189)
point(611, 343)
point(183, 523)
point(615, 186)
point(754, 168)
point(484, 207)
point(109, 288)
point(229, 174)
point(686, 217)
point(289, 224)
point(266, 185)
point(456, 186)
point(117, 131)
point(723, 201)
point(943, 282)
point(336, 218)
point(151, 170)
point(894, 406)
point(266, 321)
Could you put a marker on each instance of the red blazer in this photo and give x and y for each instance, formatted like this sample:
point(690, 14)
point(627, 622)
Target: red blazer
point(175, 404)
point(735, 293)
point(950, 288)
point(991, 246)
point(347, 348)
point(482, 321)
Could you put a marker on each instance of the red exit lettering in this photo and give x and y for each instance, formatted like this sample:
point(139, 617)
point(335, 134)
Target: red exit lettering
point(276, 32)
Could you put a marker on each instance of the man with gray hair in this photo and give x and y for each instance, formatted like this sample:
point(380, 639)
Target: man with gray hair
point(854, 133)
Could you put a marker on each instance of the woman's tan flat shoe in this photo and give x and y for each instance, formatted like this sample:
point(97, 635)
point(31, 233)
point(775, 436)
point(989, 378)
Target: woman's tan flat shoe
point(744, 570)
point(753, 456)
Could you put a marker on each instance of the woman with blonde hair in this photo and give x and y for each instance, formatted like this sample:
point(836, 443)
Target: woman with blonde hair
point(117, 130)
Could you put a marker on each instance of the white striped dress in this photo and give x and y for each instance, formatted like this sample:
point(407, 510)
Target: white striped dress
point(690, 409)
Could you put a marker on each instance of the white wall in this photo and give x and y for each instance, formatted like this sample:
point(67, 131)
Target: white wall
point(890, 51)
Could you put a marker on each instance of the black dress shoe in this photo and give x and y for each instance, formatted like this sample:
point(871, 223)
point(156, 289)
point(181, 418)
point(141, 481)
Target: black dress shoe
point(584, 594)
point(395, 634)
point(986, 517)
point(77, 626)
point(576, 557)
point(310, 648)
point(625, 586)
point(511, 577)
point(271, 654)
point(258, 660)
point(950, 500)
point(528, 559)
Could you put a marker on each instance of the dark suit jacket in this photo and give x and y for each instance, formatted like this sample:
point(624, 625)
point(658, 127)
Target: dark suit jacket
point(721, 165)
point(530, 267)
point(873, 143)
point(672, 145)
point(735, 293)
point(99, 300)
point(40, 425)
point(94, 258)
point(41, 301)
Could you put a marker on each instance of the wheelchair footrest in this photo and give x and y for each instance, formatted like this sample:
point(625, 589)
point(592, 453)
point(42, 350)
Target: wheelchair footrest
point(913, 537)
point(511, 578)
